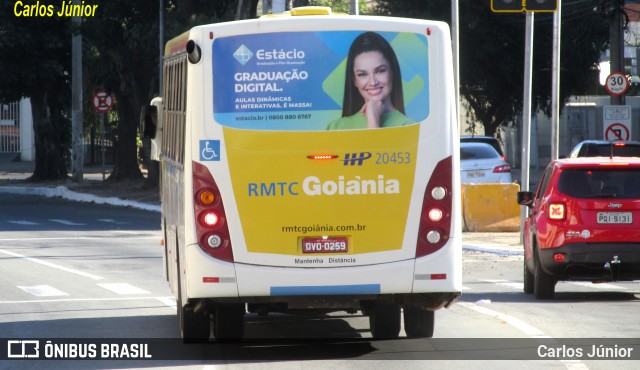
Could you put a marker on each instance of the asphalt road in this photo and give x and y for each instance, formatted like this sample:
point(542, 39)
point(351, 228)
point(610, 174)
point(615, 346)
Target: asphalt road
point(75, 270)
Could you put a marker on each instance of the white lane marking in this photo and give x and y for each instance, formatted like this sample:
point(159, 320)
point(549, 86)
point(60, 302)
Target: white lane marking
point(23, 223)
point(505, 283)
point(517, 323)
point(53, 265)
point(43, 291)
point(168, 301)
point(518, 286)
point(66, 222)
point(83, 300)
point(123, 288)
point(598, 286)
point(524, 328)
point(587, 284)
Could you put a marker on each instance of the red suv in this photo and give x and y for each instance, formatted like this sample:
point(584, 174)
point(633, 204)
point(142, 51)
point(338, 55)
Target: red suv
point(584, 223)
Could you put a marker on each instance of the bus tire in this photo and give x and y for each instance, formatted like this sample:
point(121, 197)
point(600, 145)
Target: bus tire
point(194, 326)
point(228, 322)
point(418, 323)
point(384, 320)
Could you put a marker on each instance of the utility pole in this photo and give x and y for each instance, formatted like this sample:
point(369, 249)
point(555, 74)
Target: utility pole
point(555, 82)
point(353, 7)
point(77, 129)
point(616, 40)
point(526, 115)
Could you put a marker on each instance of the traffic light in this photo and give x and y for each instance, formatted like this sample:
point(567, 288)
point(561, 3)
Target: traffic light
point(516, 6)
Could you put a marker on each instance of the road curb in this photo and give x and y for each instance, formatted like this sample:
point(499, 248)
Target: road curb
point(65, 193)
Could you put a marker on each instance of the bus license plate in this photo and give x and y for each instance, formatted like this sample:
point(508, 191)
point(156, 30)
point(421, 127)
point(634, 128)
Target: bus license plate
point(325, 245)
point(615, 218)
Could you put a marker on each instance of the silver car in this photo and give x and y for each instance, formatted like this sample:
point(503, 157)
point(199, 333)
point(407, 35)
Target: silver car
point(481, 163)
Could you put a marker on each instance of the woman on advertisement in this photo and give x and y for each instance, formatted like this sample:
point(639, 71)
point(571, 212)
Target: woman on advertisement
point(373, 86)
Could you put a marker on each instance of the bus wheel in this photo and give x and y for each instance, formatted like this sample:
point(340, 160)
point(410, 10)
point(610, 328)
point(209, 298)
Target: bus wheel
point(418, 323)
point(228, 322)
point(194, 326)
point(384, 320)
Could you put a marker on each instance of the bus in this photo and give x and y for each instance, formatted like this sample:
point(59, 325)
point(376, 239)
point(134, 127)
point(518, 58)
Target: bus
point(309, 164)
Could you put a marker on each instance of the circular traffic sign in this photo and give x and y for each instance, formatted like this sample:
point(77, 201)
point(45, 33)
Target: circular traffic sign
point(616, 131)
point(617, 84)
point(102, 101)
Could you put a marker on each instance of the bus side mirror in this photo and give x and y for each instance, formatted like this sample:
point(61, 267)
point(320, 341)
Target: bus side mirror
point(148, 121)
point(525, 198)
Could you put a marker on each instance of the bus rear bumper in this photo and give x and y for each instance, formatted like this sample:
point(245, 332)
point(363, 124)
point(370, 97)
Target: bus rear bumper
point(323, 288)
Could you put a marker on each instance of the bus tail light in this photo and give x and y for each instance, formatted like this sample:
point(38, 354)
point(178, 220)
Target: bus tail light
point(435, 220)
point(211, 229)
point(209, 219)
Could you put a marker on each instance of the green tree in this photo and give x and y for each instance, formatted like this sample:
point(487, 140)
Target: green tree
point(492, 54)
point(128, 66)
point(35, 62)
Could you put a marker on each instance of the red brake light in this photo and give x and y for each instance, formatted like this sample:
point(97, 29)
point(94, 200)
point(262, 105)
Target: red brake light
point(557, 211)
point(209, 219)
point(558, 257)
point(502, 169)
point(435, 220)
point(622, 164)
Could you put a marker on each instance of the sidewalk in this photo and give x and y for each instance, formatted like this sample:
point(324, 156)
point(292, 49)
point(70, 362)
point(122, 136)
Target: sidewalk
point(95, 186)
point(13, 176)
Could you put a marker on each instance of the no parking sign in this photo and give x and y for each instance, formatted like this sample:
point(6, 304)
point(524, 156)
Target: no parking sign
point(102, 101)
point(617, 122)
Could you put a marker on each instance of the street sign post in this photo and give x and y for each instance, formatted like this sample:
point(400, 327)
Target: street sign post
point(102, 101)
point(617, 84)
point(617, 122)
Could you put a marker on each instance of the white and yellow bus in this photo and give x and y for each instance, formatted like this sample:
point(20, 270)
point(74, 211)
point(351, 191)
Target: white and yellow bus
point(309, 161)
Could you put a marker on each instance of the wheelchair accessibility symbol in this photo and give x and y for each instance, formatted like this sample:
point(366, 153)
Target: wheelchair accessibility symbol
point(210, 150)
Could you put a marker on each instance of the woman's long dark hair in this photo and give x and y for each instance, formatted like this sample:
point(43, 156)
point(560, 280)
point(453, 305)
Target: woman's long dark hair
point(370, 41)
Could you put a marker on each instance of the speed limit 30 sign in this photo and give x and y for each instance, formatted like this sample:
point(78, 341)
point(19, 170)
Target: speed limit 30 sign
point(617, 84)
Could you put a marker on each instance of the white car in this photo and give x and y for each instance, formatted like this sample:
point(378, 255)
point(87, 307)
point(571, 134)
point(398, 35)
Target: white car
point(481, 163)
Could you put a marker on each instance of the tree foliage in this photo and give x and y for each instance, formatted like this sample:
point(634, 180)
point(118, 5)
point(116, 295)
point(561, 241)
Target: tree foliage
point(128, 66)
point(492, 54)
point(35, 57)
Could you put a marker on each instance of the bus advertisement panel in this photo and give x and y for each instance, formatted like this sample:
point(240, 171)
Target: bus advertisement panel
point(289, 92)
point(296, 81)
